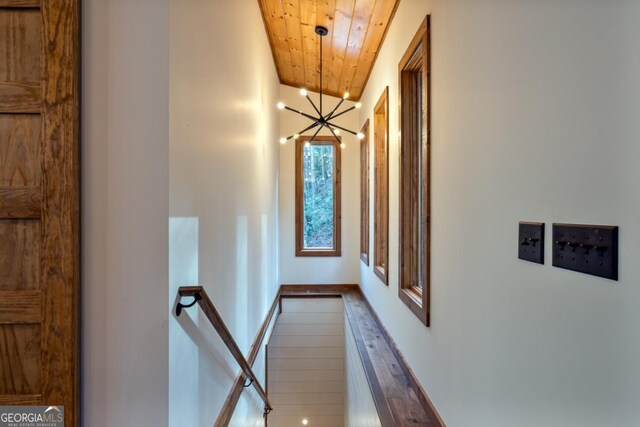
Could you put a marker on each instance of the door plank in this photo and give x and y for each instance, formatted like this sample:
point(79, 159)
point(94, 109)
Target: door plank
point(20, 3)
point(18, 97)
point(20, 400)
point(20, 202)
point(20, 255)
point(20, 359)
point(20, 307)
point(20, 45)
point(20, 150)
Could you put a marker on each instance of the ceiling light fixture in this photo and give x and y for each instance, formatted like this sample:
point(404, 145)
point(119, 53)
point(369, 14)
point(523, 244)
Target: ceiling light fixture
point(321, 120)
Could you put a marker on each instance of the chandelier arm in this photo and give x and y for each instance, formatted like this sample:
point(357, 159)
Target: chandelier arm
point(343, 112)
point(314, 135)
point(313, 105)
point(330, 125)
point(321, 75)
point(334, 135)
point(308, 116)
point(328, 117)
point(306, 129)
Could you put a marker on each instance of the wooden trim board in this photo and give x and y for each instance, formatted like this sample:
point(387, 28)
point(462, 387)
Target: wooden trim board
point(414, 383)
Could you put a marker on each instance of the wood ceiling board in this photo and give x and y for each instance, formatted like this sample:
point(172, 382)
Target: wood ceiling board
point(291, 12)
point(382, 15)
point(356, 31)
point(276, 28)
point(360, 24)
point(308, 9)
point(339, 40)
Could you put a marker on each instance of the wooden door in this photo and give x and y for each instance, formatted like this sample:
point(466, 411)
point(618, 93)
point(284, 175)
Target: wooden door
point(39, 204)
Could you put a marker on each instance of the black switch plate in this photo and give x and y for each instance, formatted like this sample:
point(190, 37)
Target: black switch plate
point(589, 249)
point(531, 241)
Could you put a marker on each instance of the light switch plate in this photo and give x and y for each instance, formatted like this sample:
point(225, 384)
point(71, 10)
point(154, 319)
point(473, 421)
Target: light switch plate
point(531, 241)
point(589, 249)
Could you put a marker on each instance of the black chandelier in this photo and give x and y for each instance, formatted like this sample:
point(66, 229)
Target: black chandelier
point(321, 120)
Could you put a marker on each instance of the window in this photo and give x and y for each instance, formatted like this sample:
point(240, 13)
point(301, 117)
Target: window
point(364, 194)
point(318, 196)
point(415, 183)
point(381, 183)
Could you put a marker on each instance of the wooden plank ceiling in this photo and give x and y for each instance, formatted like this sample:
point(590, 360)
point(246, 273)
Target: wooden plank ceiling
point(356, 31)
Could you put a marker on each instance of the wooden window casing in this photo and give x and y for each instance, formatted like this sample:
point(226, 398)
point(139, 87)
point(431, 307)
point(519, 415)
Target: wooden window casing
point(415, 182)
point(336, 250)
point(364, 194)
point(381, 183)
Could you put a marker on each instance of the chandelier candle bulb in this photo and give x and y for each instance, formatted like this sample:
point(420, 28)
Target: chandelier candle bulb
point(359, 105)
point(280, 105)
point(360, 135)
point(303, 92)
point(346, 95)
point(283, 140)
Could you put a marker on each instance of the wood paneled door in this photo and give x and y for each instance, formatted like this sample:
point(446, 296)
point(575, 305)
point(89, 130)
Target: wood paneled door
point(39, 204)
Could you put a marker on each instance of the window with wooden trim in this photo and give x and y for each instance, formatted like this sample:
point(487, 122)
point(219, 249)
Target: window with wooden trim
point(381, 187)
point(364, 194)
point(415, 183)
point(318, 196)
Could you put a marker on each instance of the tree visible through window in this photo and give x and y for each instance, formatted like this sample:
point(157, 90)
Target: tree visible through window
point(317, 197)
point(318, 163)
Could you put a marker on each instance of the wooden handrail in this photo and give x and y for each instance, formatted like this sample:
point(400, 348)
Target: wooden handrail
point(200, 296)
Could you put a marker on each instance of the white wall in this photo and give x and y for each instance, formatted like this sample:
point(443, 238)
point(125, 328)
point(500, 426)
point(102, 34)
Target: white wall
point(191, 80)
point(125, 207)
point(318, 270)
point(534, 109)
point(223, 196)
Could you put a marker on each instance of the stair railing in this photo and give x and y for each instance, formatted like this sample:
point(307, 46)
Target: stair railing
point(200, 297)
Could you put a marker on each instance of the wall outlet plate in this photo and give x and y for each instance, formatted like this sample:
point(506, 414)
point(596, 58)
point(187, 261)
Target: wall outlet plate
point(589, 249)
point(531, 241)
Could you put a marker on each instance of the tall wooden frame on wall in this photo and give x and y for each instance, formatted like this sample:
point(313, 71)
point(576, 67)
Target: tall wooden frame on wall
point(381, 183)
point(415, 182)
point(336, 250)
point(364, 194)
